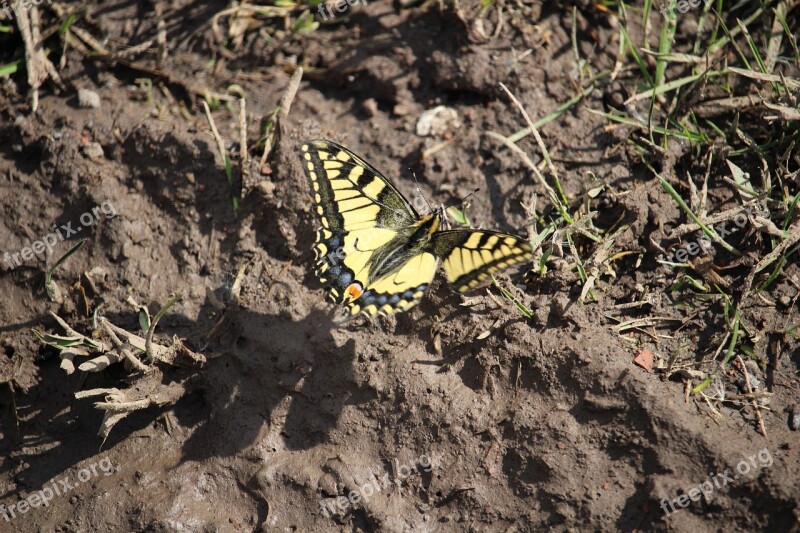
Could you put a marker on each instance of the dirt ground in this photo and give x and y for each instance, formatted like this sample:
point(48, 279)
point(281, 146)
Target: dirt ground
point(461, 414)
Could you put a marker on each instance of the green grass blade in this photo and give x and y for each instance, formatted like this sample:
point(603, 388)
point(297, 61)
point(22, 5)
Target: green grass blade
point(734, 337)
point(519, 305)
point(708, 231)
point(11, 68)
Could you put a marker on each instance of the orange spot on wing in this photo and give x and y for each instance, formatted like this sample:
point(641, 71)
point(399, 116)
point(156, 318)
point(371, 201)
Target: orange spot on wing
point(354, 290)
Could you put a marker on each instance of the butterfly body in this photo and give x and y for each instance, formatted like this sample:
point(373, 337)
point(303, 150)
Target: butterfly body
point(410, 241)
point(374, 252)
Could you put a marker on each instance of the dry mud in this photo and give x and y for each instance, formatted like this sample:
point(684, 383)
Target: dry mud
point(543, 424)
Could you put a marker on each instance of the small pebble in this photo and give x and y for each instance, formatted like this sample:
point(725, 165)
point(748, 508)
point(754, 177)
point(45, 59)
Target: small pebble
point(93, 151)
point(327, 485)
point(370, 107)
point(267, 187)
point(794, 421)
point(438, 121)
point(88, 99)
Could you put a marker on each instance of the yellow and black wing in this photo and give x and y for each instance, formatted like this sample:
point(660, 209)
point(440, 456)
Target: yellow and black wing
point(471, 256)
point(361, 212)
point(349, 193)
point(397, 291)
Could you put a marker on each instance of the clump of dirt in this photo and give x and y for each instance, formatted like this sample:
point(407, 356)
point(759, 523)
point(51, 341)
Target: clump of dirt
point(459, 414)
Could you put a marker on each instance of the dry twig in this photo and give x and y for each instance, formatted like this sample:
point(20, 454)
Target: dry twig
point(39, 68)
point(754, 402)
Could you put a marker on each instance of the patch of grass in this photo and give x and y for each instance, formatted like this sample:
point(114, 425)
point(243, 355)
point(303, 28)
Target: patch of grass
point(726, 98)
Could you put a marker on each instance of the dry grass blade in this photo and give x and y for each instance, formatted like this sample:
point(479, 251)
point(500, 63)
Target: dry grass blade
point(101, 362)
point(774, 47)
point(161, 35)
point(39, 68)
point(285, 107)
point(245, 168)
point(754, 402)
point(721, 106)
point(784, 112)
point(551, 193)
point(791, 239)
point(291, 92)
point(215, 134)
point(534, 130)
point(790, 83)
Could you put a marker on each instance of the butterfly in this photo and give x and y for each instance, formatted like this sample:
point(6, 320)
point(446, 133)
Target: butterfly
point(375, 253)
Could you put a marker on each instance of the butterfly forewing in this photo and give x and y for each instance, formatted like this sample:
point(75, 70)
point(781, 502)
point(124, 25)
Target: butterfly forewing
point(349, 193)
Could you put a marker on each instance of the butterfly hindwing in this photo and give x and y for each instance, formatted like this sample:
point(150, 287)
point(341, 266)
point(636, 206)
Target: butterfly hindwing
point(471, 256)
point(343, 259)
point(399, 290)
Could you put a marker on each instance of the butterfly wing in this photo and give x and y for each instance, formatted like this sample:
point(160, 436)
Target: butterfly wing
point(398, 291)
point(471, 256)
point(360, 212)
point(349, 193)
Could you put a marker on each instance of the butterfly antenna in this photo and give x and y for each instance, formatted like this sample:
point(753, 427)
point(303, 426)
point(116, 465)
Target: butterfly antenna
point(461, 202)
point(419, 191)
